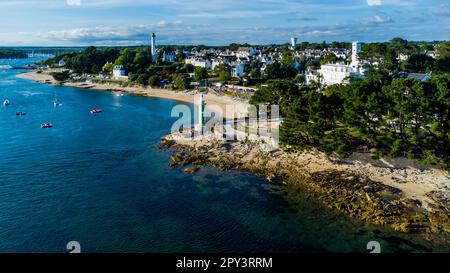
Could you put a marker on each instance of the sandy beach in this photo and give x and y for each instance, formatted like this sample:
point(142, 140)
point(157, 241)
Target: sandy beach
point(213, 101)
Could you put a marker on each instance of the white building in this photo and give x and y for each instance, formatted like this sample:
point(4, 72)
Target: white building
point(245, 52)
point(238, 70)
point(153, 44)
point(338, 73)
point(293, 43)
point(119, 72)
point(195, 61)
point(334, 73)
point(356, 49)
point(431, 53)
point(219, 61)
point(402, 57)
point(312, 76)
point(61, 63)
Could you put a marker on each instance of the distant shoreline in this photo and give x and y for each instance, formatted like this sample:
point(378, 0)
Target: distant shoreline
point(212, 100)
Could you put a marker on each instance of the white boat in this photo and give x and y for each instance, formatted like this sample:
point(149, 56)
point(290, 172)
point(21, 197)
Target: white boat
point(56, 102)
point(6, 102)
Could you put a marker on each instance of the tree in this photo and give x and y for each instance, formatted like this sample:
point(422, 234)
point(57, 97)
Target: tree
point(300, 78)
point(276, 92)
point(200, 73)
point(108, 68)
point(182, 82)
point(154, 81)
point(142, 79)
point(279, 71)
point(188, 68)
point(307, 120)
point(255, 73)
point(443, 57)
point(224, 76)
point(61, 76)
point(330, 58)
point(312, 64)
point(373, 52)
point(91, 60)
point(443, 50)
point(142, 59)
point(419, 63)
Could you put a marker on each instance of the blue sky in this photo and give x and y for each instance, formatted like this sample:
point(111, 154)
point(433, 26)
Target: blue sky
point(218, 22)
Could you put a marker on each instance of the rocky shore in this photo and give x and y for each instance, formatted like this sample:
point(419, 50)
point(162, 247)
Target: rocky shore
point(354, 188)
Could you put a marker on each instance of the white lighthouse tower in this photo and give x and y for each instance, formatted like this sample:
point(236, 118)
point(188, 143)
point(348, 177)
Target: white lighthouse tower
point(356, 49)
point(293, 43)
point(153, 44)
point(201, 113)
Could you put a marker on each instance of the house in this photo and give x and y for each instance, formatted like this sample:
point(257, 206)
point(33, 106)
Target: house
point(200, 62)
point(417, 76)
point(245, 52)
point(267, 60)
point(169, 57)
point(296, 64)
point(237, 71)
point(61, 63)
point(431, 53)
point(402, 57)
point(119, 72)
point(312, 76)
point(335, 73)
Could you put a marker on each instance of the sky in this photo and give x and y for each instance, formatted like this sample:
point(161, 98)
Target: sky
point(218, 22)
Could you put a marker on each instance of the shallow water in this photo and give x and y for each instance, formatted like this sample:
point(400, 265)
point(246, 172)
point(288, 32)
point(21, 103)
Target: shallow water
point(100, 180)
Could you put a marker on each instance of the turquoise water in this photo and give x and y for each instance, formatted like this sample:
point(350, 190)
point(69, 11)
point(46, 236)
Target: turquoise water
point(100, 180)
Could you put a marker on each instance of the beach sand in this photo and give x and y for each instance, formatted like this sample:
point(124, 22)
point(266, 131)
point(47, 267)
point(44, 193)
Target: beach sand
point(213, 102)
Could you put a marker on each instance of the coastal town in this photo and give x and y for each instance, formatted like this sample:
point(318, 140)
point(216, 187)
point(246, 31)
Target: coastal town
point(347, 109)
point(241, 68)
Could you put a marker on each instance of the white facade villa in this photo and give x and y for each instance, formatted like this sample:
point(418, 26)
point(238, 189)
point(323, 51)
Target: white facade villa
point(119, 72)
point(338, 73)
point(200, 62)
point(335, 73)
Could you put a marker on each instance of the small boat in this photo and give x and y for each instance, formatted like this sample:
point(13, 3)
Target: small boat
point(6, 102)
point(56, 102)
point(46, 125)
point(21, 114)
point(96, 111)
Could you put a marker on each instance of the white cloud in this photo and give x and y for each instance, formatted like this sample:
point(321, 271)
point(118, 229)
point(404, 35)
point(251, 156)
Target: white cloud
point(373, 2)
point(73, 2)
point(378, 20)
